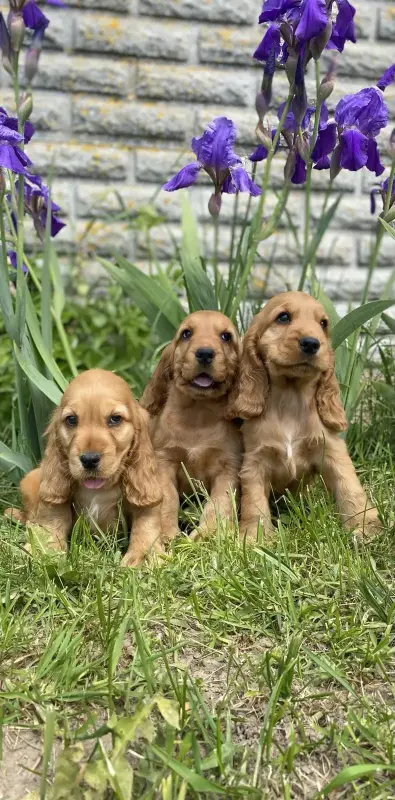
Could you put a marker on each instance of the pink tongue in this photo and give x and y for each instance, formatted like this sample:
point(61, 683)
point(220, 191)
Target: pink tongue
point(203, 380)
point(94, 483)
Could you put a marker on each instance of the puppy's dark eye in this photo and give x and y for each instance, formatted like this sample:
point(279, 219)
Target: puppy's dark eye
point(324, 323)
point(114, 420)
point(283, 318)
point(186, 334)
point(71, 421)
point(226, 336)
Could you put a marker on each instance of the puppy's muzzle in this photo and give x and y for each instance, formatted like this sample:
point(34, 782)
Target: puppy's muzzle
point(309, 345)
point(90, 460)
point(205, 355)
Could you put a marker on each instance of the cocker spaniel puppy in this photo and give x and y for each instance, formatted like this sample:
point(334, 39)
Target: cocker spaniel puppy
point(289, 397)
point(188, 398)
point(98, 455)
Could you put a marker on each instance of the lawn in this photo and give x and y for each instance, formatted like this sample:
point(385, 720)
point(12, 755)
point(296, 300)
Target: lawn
point(219, 670)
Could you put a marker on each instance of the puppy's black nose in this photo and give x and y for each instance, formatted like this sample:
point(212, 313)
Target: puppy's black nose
point(205, 355)
point(309, 345)
point(90, 460)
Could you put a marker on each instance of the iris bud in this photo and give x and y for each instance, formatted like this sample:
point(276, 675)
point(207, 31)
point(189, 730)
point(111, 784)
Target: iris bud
point(335, 163)
point(25, 109)
point(303, 148)
point(17, 31)
point(214, 204)
point(264, 135)
point(31, 63)
point(289, 168)
point(319, 43)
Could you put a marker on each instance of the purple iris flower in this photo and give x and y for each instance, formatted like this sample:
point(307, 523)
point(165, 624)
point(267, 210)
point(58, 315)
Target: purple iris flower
point(12, 123)
point(13, 261)
point(36, 196)
point(325, 144)
point(360, 118)
point(343, 29)
point(306, 21)
point(11, 156)
point(215, 154)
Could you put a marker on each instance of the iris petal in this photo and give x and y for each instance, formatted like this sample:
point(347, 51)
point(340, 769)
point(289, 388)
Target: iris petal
point(5, 41)
point(9, 134)
point(365, 110)
point(373, 163)
point(326, 142)
point(185, 177)
point(13, 261)
point(215, 147)
point(354, 150)
point(299, 175)
point(343, 29)
point(269, 44)
point(313, 20)
point(56, 223)
point(10, 159)
point(33, 17)
point(387, 78)
point(259, 154)
point(322, 163)
point(243, 183)
point(290, 123)
point(273, 9)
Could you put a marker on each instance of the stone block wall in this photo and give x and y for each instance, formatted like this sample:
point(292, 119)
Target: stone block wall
point(123, 85)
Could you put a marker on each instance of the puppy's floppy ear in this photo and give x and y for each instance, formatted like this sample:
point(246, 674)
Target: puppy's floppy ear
point(253, 383)
point(140, 476)
point(329, 404)
point(55, 479)
point(156, 391)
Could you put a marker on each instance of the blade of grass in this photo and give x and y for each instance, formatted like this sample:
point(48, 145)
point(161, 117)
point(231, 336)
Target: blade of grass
point(354, 773)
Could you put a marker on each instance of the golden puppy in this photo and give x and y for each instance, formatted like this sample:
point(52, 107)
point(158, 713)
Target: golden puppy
point(188, 397)
point(289, 395)
point(98, 454)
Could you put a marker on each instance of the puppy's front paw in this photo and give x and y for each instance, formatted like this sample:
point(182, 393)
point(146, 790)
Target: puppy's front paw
point(43, 541)
point(132, 559)
point(249, 530)
point(203, 531)
point(368, 525)
point(136, 555)
point(170, 533)
point(15, 514)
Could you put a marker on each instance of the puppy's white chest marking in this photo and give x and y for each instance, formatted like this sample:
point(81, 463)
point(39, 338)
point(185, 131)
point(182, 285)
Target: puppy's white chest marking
point(289, 452)
point(288, 448)
point(97, 505)
point(94, 509)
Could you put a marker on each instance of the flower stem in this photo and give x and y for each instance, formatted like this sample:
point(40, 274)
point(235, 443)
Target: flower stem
point(372, 265)
point(234, 223)
point(307, 196)
point(215, 259)
point(306, 220)
point(379, 237)
point(257, 219)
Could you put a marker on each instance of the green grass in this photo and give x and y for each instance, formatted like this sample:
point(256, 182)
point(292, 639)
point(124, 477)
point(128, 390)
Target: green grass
point(218, 670)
